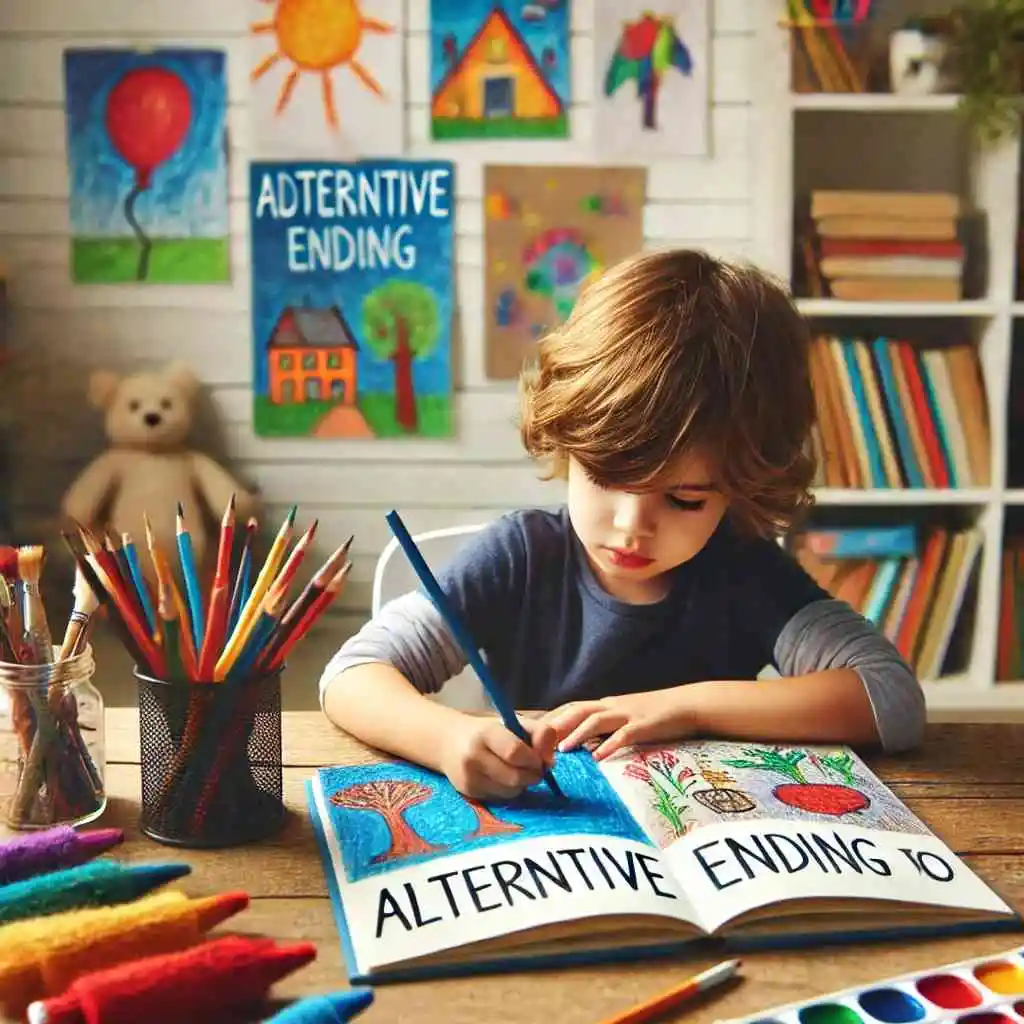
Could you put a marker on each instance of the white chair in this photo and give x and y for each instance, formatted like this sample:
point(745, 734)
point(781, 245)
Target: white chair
point(393, 576)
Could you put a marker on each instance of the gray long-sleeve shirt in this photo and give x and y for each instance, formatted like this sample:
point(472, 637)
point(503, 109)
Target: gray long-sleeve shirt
point(552, 634)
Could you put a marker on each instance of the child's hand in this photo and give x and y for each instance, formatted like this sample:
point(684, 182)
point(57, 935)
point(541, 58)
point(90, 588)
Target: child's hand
point(485, 760)
point(624, 720)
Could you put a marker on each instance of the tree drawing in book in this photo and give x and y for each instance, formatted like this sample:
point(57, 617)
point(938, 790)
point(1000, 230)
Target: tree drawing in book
point(390, 815)
point(352, 298)
point(327, 77)
point(499, 69)
point(651, 78)
point(147, 162)
point(547, 232)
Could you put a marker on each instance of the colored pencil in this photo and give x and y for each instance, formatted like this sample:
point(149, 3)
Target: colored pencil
point(131, 556)
point(250, 610)
point(191, 578)
point(164, 573)
point(462, 637)
point(321, 600)
point(243, 579)
point(291, 566)
point(217, 609)
point(675, 997)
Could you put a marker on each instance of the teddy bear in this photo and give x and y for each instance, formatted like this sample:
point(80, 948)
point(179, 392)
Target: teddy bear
point(149, 467)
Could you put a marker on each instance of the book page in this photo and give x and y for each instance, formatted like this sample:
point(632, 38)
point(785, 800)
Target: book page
point(419, 869)
point(744, 826)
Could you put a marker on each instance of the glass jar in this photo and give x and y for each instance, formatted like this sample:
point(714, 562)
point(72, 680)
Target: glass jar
point(52, 757)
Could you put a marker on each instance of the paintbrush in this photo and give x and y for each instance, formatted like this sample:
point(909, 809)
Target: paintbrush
point(86, 603)
point(36, 630)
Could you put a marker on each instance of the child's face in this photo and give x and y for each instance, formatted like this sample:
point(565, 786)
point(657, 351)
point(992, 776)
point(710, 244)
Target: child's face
point(634, 538)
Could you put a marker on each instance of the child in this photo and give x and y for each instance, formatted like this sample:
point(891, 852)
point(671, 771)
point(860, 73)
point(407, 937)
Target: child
point(676, 403)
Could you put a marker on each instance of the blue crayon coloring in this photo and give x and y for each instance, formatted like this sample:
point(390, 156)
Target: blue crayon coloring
point(334, 1008)
point(99, 883)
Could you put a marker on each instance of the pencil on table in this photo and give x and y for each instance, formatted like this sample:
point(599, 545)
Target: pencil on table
point(217, 611)
point(188, 571)
point(251, 608)
point(243, 579)
point(131, 557)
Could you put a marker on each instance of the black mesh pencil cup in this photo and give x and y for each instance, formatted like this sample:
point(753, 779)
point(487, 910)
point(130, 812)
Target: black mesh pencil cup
point(210, 756)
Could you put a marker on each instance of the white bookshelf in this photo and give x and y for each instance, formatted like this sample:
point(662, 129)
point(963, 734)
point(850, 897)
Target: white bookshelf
point(991, 186)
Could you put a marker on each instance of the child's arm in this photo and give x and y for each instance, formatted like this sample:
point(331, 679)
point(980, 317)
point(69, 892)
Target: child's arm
point(842, 681)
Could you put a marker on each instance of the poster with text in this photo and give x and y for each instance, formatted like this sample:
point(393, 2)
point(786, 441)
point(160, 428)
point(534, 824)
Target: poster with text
point(547, 232)
point(147, 165)
point(499, 69)
point(651, 78)
point(352, 271)
point(326, 79)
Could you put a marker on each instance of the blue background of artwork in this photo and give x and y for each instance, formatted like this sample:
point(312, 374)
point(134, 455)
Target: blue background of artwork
point(464, 17)
point(275, 287)
point(592, 808)
point(188, 197)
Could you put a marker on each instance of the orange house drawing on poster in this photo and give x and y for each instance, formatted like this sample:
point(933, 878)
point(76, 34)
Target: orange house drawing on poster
point(496, 88)
point(312, 358)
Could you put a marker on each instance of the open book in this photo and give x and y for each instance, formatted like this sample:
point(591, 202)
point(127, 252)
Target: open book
point(655, 849)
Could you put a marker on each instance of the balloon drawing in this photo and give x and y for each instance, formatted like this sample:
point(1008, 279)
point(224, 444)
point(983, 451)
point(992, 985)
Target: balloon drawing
point(646, 50)
point(147, 118)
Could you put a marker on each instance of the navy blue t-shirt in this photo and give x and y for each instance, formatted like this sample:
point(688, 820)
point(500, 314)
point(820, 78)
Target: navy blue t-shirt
point(551, 633)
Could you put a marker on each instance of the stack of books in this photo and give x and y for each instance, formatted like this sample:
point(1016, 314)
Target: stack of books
point(911, 584)
point(892, 414)
point(885, 246)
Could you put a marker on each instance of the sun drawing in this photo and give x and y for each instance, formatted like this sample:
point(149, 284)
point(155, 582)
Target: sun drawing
point(318, 36)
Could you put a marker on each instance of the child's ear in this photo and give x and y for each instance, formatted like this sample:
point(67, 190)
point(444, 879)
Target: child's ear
point(103, 385)
point(182, 377)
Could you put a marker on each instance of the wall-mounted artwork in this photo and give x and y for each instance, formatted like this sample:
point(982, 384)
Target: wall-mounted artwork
point(352, 298)
point(651, 78)
point(499, 69)
point(327, 79)
point(547, 232)
point(147, 163)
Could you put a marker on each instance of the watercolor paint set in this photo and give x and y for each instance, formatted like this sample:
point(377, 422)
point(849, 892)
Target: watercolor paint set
point(984, 990)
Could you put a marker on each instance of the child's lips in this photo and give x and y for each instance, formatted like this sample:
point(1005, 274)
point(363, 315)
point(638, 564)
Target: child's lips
point(628, 559)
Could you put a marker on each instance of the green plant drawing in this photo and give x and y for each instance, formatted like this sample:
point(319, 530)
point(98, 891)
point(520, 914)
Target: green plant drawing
point(767, 759)
point(670, 787)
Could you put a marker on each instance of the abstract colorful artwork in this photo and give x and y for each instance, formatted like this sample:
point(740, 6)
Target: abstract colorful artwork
point(147, 162)
point(499, 69)
point(352, 298)
point(547, 231)
point(674, 790)
point(392, 815)
point(327, 78)
point(651, 78)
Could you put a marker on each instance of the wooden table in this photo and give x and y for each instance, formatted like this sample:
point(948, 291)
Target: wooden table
point(967, 784)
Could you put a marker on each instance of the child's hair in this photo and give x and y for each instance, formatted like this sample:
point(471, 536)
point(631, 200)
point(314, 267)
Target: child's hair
point(667, 350)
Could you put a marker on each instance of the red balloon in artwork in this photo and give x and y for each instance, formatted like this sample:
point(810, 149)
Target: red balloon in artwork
point(148, 114)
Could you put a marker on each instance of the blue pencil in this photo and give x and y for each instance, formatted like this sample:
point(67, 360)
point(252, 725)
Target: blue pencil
point(131, 556)
point(188, 571)
point(334, 1008)
point(243, 579)
point(462, 637)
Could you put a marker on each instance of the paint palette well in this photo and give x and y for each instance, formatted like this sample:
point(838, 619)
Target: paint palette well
point(986, 990)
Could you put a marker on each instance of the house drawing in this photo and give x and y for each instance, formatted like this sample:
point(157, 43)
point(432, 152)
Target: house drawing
point(311, 357)
point(495, 76)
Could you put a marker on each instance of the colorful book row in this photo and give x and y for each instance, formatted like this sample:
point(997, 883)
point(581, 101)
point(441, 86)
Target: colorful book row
point(895, 415)
point(1010, 642)
point(911, 585)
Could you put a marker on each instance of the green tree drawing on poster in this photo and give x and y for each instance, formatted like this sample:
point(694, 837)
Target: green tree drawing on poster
point(400, 323)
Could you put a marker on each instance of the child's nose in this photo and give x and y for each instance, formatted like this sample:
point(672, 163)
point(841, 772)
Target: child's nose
point(634, 515)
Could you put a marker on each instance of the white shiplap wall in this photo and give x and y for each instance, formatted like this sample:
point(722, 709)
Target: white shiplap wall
point(60, 331)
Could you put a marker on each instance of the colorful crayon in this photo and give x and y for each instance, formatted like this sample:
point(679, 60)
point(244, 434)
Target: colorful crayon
point(97, 884)
point(41, 957)
point(334, 1008)
point(206, 982)
point(35, 853)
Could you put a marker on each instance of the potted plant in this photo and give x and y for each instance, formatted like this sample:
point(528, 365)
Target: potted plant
point(986, 53)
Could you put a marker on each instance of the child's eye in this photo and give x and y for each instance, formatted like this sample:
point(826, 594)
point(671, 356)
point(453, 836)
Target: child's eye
point(685, 505)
